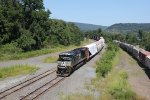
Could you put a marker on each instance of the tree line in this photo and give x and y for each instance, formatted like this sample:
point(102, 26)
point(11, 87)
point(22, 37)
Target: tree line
point(142, 38)
point(26, 24)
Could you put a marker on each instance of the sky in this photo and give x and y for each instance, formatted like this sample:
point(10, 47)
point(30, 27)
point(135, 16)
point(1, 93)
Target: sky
point(100, 12)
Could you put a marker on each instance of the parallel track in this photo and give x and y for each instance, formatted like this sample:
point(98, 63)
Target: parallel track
point(26, 83)
point(41, 90)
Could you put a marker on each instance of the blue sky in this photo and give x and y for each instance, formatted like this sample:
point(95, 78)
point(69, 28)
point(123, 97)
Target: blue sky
point(100, 12)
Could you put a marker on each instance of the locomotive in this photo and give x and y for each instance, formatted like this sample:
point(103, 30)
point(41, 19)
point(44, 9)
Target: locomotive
point(68, 61)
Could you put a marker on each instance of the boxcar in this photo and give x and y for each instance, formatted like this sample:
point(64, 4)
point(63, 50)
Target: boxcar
point(142, 56)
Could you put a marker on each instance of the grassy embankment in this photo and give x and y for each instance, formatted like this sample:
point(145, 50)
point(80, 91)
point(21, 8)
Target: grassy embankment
point(10, 52)
point(111, 81)
point(53, 59)
point(16, 70)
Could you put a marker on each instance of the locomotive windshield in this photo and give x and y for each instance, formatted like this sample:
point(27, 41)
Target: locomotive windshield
point(65, 58)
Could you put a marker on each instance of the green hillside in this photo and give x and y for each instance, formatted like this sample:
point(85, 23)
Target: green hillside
point(128, 27)
point(89, 27)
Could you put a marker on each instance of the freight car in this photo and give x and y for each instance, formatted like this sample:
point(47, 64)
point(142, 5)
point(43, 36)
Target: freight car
point(147, 62)
point(135, 53)
point(141, 55)
point(68, 61)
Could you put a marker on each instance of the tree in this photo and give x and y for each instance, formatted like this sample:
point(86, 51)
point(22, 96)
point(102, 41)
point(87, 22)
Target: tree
point(140, 34)
point(26, 41)
point(27, 23)
point(145, 41)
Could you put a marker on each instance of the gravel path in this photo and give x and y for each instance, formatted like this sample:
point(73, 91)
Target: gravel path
point(73, 84)
point(36, 61)
point(138, 76)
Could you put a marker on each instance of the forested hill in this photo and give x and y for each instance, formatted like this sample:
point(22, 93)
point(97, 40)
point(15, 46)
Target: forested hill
point(89, 27)
point(25, 25)
point(128, 27)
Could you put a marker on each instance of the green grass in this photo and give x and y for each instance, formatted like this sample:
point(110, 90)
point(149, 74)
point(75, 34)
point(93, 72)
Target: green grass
point(77, 97)
point(119, 88)
point(16, 70)
point(7, 54)
point(51, 59)
point(23, 55)
point(115, 87)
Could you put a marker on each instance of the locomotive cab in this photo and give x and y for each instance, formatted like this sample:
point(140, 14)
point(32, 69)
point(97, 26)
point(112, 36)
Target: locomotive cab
point(64, 64)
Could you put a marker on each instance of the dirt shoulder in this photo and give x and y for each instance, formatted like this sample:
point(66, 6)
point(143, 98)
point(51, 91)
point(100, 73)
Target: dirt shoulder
point(138, 75)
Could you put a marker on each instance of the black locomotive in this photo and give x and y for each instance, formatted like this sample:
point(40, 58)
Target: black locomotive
point(68, 61)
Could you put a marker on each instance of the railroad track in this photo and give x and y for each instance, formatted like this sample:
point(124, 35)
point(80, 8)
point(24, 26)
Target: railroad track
point(41, 90)
point(26, 83)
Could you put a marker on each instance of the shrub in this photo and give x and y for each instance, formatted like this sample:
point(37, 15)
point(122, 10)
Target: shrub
point(105, 64)
point(10, 48)
point(26, 41)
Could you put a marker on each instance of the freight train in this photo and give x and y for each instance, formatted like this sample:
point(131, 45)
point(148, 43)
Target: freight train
point(68, 61)
point(139, 54)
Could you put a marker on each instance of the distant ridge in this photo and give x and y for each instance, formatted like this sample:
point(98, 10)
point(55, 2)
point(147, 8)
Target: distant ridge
point(89, 27)
point(128, 27)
